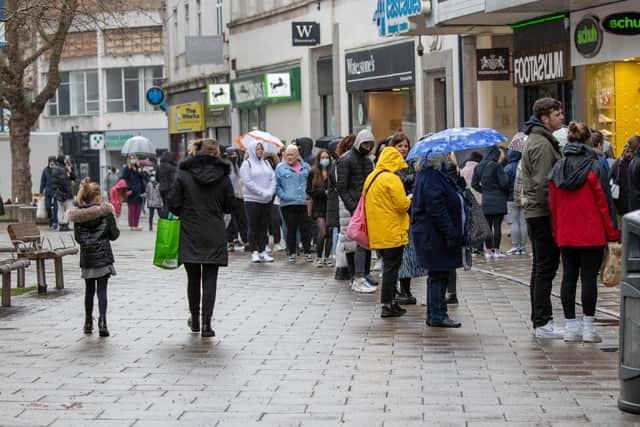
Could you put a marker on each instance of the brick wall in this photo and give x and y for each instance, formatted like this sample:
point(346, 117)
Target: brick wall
point(80, 44)
point(131, 41)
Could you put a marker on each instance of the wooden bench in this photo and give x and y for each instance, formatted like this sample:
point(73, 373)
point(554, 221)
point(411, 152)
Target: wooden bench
point(6, 267)
point(30, 245)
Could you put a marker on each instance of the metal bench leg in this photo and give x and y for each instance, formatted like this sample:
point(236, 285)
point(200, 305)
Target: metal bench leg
point(59, 274)
point(6, 289)
point(42, 277)
point(21, 277)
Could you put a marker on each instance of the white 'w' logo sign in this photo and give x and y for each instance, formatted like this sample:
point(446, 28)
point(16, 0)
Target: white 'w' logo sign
point(304, 31)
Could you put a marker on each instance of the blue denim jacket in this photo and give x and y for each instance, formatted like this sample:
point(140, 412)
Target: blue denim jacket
point(291, 187)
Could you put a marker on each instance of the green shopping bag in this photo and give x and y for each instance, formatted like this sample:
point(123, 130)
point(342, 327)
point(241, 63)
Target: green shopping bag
point(165, 254)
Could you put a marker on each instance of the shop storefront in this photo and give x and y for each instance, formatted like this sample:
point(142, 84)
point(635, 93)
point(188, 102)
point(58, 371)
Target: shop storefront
point(269, 101)
point(217, 114)
point(381, 86)
point(606, 48)
point(115, 140)
point(186, 123)
point(542, 64)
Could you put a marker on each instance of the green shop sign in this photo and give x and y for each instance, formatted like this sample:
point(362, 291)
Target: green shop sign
point(116, 142)
point(623, 24)
point(588, 36)
point(268, 88)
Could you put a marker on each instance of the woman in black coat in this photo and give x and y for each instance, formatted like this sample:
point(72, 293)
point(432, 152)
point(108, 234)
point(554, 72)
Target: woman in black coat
point(165, 175)
point(202, 193)
point(490, 180)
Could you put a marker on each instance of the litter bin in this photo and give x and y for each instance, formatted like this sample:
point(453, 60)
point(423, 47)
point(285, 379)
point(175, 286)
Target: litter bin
point(629, 368)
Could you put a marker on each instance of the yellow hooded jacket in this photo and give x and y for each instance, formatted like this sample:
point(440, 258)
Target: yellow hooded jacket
point(386, 204)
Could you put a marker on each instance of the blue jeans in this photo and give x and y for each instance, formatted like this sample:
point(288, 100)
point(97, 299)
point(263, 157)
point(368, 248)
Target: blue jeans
point(52, 209)
point(436, 296)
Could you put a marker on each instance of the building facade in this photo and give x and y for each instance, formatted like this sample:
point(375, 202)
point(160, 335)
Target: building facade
point(104, 76)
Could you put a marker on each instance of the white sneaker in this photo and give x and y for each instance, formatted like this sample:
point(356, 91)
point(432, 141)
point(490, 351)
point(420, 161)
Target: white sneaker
point(267, 249)
point(488, 256)
point(572, 335)
point(308, 258)
point(513, 251)
point(590, 335)
point(362, 287)
point(498, 254)
point(550, 331)
point(279, 247)
point(319, 262)
point(264, 257)
point(377, 266)
point(255, 257)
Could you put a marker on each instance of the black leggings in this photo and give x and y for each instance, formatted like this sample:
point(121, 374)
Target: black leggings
point(207, 275)
point(495, 224)
point(90, 291)
point(275, 225)
point(258, 218)
point(297, 219)
point(583, 262)
point(324, 239)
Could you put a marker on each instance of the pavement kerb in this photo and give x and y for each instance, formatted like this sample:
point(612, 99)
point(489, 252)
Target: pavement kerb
point(554, 294)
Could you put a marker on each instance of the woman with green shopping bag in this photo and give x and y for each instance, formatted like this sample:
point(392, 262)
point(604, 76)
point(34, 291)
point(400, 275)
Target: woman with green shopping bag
point(201, 194)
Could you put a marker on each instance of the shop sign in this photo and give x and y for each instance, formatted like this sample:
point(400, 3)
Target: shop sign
point(588, 36)
point(186, 118)
point(116, 142)
point(96, 141)
point(542, 66)
point(218, 95)
point(381, 68)
point(280, 86)
point(305, 33)
point(492, 64)
point(392, 16)
point(277, 85)
point(623, 24)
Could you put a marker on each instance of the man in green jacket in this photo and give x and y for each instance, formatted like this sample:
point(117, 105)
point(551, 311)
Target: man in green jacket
point(541, 152)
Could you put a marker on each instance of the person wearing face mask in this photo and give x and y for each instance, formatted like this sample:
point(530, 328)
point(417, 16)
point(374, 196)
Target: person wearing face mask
point(46, 188)
point(317, 188)
point(132, 174)
point(258, 189)
point(353, 167)
point(201, 194)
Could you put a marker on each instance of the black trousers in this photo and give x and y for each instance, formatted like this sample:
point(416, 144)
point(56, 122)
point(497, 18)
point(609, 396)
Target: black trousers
point(275, 224)
point(297, 218)
point(238, 224)
point(90, 291)
point(452, 283)
point(205, 275)
point(584, 263)
point(391, 260)
point(258, 217)
point(495, 224)
point(546, 258)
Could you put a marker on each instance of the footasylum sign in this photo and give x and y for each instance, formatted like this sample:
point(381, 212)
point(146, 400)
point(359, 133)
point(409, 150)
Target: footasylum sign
point(541, 66)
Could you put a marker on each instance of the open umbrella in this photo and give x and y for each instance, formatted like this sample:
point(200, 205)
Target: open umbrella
point(270, 143)
point(455, 139)
point(138, 145)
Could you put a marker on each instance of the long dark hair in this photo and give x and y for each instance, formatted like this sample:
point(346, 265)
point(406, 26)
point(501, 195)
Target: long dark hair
point(319, 181)
point(345, 145)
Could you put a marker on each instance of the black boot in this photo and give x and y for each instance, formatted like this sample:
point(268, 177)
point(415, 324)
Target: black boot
point(206, 327)
point(194, 322)
point(88, 324)
point(405, 297)
point(102, 327)
point(42, 290)
point(452, 298)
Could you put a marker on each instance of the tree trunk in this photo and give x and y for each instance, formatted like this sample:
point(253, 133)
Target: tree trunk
point(21, 165)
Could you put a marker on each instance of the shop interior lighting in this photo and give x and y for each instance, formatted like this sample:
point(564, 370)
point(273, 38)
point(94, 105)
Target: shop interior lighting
point(537, 21)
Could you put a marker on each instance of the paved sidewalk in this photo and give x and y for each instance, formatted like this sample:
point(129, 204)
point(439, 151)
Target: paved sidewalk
point(293, 348)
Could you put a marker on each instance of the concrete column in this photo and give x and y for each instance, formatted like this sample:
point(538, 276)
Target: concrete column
point(485, 88)
point(337, 61)
point(469, 85)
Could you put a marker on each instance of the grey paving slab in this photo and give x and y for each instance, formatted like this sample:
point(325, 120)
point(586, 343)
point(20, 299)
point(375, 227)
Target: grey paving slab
point(294, 347)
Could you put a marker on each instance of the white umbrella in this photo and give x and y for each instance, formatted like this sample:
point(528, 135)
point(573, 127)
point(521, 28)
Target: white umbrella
point(270, 143)
point(138, 145)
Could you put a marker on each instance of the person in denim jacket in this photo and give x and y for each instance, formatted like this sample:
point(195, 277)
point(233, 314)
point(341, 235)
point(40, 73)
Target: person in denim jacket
point(291, 188)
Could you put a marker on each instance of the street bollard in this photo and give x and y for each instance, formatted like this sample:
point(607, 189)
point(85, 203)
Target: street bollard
point(629, 365)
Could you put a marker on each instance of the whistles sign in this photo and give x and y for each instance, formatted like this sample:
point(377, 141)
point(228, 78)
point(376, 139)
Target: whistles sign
point(623, 24)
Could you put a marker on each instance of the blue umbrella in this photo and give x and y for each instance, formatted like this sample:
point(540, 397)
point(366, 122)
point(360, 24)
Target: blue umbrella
point(455, 139)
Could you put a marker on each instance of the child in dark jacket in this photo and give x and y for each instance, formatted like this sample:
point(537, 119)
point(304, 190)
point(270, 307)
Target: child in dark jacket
point(94, 229)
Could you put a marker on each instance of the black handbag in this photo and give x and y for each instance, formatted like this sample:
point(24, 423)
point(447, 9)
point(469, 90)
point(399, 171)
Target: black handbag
point(480, 230)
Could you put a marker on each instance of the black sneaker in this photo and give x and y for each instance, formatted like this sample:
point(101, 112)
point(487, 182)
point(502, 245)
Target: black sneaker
point(388, 311)
point(397, 307)
point(406, 299)
point(452, 299)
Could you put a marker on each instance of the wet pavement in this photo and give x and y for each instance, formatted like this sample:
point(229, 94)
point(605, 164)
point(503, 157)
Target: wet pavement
point(296, 348)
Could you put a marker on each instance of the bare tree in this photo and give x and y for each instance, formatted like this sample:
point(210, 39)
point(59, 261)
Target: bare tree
point(38, 29)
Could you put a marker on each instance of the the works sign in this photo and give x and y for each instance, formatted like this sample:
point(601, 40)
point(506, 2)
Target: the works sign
point(533, 67)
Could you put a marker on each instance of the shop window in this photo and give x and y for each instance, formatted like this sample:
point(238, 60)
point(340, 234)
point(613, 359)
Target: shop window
point(384, 112)
point(77, 94)
point(328, 116)
point(251, 119)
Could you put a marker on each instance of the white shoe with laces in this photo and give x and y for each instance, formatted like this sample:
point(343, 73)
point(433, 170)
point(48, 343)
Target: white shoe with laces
point(362, 287)
point(264, 257)
point(255, 257)
point(550, 331)
point(590, 335)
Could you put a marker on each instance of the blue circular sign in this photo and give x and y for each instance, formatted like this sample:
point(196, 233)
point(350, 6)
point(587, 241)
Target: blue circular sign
point(155, 95)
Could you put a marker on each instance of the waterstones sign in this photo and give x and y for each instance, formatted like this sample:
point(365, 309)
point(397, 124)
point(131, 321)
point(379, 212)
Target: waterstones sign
point(379, 68)
point(547, 65)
